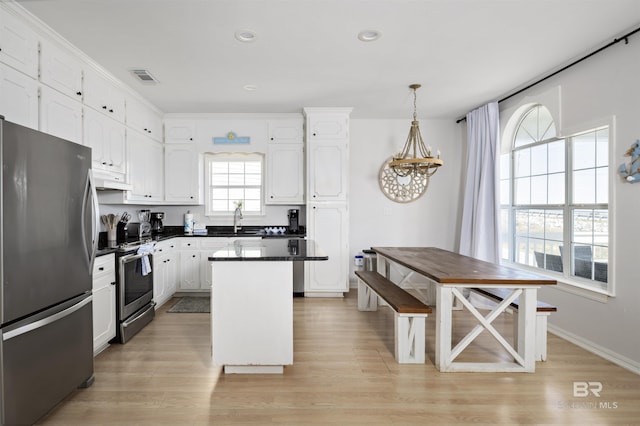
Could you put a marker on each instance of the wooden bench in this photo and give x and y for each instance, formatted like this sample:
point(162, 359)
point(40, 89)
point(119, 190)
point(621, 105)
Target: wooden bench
point(410, 314)
point(543, 310)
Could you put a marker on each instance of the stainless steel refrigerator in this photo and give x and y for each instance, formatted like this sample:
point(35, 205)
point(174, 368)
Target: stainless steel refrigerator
point(47, 248)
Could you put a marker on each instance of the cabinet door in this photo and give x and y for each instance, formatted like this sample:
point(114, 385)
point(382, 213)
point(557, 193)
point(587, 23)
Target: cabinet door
point(190, 270)
point(115, 146)
point(179, 131)
point(286, 131)
point(285, 174)
point(183, 174)
point(171, 275)
point(60, 70)
point(145, 168)
point(94, 135)
point(154, 172)
point(60, 115)
point(18, 45)
point(103, 96)
point(328, 126)
point(328, 225)
point(142, 119)
point(104, 301)
point(327, 170)
point(160, 279)
point(18, 97)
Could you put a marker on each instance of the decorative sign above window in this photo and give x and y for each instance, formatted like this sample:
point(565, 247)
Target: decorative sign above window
point(232, 139)
point(631, 174)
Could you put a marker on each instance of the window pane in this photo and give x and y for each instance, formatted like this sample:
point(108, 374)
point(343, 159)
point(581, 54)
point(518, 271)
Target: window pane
point(583, 226)
point(539, 190)
point(602, 185)
point(253, 180)
point(584, 190)
point(554, 227)
point(505, 160)
point(236, 194)
point(236, 167)
point(584, 151)
point(539, 160)
point(252, 193)
point(236, 180)
point(522, 191)
point(522, 165)
point(219, 205)
point(546, 126)
point(556, 156)
point(219, 167)
point(504, 233)
point(528, 131)
point(602, 147)
point(219, 193)
point(220, 180)
point(253, 167)
point(556, 189)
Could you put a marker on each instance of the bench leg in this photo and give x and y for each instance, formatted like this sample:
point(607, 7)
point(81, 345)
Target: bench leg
point(367, 299)
point(541, 334)
point(409, 338)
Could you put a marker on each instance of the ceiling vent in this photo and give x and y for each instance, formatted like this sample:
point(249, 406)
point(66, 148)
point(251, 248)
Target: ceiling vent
point(144, 76)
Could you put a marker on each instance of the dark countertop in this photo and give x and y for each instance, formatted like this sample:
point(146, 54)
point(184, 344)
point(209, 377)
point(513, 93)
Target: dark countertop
point(269, 249)
point(105, 247)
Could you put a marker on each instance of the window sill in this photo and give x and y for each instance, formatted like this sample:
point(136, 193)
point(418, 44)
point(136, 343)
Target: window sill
point(566, 284)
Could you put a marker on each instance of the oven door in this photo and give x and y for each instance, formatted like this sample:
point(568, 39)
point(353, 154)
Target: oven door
point(135, 288)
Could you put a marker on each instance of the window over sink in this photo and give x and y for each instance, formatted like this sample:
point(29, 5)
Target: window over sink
point(231, 178)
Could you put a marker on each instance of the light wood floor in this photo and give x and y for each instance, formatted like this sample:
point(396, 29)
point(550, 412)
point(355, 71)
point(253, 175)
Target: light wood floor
point(343, 373)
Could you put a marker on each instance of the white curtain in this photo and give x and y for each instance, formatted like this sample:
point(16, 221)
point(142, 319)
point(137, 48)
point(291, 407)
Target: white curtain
point(480, 236)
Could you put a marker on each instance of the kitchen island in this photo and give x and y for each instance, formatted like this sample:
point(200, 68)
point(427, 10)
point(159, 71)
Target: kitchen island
point(252, 303)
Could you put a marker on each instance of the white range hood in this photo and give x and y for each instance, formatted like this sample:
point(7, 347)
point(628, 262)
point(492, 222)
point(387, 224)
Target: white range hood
point(103, 180)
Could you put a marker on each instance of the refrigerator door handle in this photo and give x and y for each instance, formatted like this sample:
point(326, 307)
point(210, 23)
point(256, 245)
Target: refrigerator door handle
point(90, 189)
point(46, 321)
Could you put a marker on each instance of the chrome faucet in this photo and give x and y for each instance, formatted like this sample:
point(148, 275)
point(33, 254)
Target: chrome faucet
point(237, 217)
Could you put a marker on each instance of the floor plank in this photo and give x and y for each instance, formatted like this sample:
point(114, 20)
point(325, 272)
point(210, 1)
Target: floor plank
point(344, 373)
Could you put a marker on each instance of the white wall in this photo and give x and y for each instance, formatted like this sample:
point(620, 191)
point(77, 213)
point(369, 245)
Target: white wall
point(593, 91)
point(375, 220)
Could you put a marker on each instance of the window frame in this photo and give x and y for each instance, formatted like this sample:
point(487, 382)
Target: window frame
point(210, 158)
point(590, 288)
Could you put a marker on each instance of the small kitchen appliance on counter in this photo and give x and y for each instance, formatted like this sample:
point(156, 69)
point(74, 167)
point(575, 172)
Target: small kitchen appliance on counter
point(156, 223)
point(294, 224)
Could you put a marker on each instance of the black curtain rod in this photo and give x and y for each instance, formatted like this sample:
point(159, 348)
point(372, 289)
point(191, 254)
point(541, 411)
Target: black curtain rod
point(577, 61)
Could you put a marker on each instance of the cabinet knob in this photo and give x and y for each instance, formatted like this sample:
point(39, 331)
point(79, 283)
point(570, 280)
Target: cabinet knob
point(193, 255)
point(190, 139)
point(104, 163)
point(191, 197)
point(110, 110)
point(272, 138)
point(111, 164)
point(314, 134)
point(79, 93)
point(101, 268)
point(104, 107)
point(145, 129)
point(113, 283)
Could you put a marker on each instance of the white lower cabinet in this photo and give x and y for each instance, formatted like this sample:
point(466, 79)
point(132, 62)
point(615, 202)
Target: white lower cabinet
point(327, 225)
point(165, 271)
point(104, 302)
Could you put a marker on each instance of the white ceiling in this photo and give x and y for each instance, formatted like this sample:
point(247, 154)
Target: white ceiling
point(463, 52)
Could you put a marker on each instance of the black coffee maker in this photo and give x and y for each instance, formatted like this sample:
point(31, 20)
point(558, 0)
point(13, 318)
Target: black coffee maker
point(294, 224)
point(156, 222)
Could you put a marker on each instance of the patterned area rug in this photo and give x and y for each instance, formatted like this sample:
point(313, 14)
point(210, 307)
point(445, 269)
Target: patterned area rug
point(197, 305)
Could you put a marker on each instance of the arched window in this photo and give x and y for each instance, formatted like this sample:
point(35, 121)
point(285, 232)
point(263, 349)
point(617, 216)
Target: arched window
point(554, 196)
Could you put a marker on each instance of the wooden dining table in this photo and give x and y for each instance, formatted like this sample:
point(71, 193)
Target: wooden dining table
point(452, 273)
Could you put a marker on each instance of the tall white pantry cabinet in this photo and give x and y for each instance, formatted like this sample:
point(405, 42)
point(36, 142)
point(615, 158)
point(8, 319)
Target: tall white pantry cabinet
point(327, 136)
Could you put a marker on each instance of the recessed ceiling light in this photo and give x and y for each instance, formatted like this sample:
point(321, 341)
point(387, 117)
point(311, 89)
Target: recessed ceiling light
point(369, 35)
point(246, 36)
point(250, 87)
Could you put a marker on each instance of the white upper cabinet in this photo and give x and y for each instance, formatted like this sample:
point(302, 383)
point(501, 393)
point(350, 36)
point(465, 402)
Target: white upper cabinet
point(102, 95)
point(327, 126)
point(18, 97)
point(179, 131)
point(60, 115)
point(285, 173)
point(18, 45)
point(142, 119)
point(182, 174)
point(60, 70)
point(106, 138)
point(286, 131)
point(145, 160)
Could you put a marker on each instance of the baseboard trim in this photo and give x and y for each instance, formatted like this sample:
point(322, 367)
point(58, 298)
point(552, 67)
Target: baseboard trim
point(596, 349)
